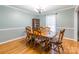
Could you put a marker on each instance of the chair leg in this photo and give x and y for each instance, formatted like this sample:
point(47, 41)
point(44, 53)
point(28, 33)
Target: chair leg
point(62, 49)
point(55, 49)
point(58, 49)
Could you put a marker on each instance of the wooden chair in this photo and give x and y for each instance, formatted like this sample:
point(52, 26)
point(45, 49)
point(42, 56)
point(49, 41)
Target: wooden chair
point(41, 29)
point(28, 36)
point(37, 35)
point(48, 45)
point(28, 27)
point(47, 29)
point(45, 46)
point(57, 44)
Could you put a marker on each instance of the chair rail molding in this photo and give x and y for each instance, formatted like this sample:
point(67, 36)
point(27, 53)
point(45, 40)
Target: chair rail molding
point(12, 28)
point(68, 28)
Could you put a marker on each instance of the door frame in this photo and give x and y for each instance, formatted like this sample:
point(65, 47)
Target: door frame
point(76, 23)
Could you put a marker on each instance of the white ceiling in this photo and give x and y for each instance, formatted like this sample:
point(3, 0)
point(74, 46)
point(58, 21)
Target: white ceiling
point(31, 8)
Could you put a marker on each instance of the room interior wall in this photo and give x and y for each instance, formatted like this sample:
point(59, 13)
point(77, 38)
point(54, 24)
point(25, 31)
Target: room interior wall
point(65, 19)
point(13, 23)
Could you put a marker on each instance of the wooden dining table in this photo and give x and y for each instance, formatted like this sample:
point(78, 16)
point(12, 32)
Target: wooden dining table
point(37, 38)
point(40, 38)
point(49, 34)
point(46, 40)
point(46, 35)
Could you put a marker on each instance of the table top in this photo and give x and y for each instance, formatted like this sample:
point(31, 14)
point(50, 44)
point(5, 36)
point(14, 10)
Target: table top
point(49, 34)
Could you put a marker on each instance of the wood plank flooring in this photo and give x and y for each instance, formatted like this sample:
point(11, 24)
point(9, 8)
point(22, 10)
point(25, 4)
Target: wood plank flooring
point(19, 47)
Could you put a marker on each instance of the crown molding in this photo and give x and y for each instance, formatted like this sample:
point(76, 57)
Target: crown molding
point(57, 11)
point(43, 13)
point(21, 10)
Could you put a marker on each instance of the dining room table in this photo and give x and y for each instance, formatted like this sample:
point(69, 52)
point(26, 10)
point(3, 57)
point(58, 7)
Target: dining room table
point(45, 39)
point(42, 37)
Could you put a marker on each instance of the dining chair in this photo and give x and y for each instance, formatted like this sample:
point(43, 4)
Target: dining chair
point(28, 27)
point(45, 46)
point(47, 29)
point(38, 38)
point(28, 36)
point(41, 29)
point(57, 42)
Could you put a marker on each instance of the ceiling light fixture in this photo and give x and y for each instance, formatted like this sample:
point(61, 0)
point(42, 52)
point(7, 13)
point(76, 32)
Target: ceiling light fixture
point(40, 9)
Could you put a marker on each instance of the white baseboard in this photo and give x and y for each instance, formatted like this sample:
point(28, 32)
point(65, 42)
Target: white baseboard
point(70, 38)
point(24, 37)
point(12, 40)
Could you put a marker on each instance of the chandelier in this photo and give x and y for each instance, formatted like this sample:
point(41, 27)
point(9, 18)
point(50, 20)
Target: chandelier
point(39, 10)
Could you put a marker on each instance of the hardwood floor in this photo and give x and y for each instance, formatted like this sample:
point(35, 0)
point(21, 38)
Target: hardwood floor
point(19, 47)
point(70, 46)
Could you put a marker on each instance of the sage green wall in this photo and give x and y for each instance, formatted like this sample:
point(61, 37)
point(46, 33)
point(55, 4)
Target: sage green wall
point(10, 18)
point(66, 19)
point(13, 18)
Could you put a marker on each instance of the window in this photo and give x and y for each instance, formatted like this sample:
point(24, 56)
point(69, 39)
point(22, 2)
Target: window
point(51, 22)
